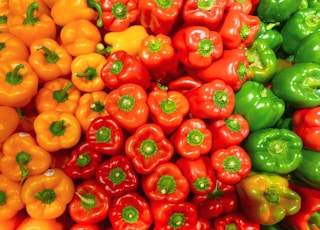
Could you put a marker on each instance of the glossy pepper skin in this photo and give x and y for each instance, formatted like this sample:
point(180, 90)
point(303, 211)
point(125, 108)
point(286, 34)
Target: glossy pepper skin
point(298, 85)
point(307, 50)
point(270, 34)
point(9, 122)
point(265, 107)
point(49, 224)
point(236, 220)
point(12, 48)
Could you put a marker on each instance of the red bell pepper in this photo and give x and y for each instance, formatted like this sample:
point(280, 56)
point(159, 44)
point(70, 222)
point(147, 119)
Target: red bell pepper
point(130, 211)
point(197, 46)
point(244, 6)
point(211, 100)
point(184, 83)
point(90, 204)
point(174, 216)
point(82, 162)
point(117, 176)
point(199, 173)
point(231, 164)
point(148, 147)
point(223, 199)
point(78, 226)
point(228, 131)
point(203, 13)
point(118, 15)
point(128, 106)
point(167, 109)
point(238, 29)
point(105, 135)
point(203, 224)
point(235, 220)
point(166, 184)
point(121, 68)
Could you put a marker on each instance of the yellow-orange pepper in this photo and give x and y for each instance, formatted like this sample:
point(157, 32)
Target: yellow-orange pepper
point(23, 157)
point(80, 37)
point(86, 72)
point(4, 13)
point(49, 59)
point(19, 7)
point(46, 195)
point(14, 222)
point(18, 83)
point(30, 223)
point(56, 130)
point(91, 105)
point(12, 48)
point(9, 121)
point(59, 95)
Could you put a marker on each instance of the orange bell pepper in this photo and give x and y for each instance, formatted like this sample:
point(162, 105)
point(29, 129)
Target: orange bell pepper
point(56, 130)
point(14, 222)
point(30, 223)
point(47, 195)
point(18, 83)
point(91, 105)
point(80, 37)
point(9, 121)
point(49, 60)
point(23, 157)
point(10, 198)
point(86, 72)
point(12, 48)
point(59, 95)
point(19, 7)
point(28, 27)
point(4, 13)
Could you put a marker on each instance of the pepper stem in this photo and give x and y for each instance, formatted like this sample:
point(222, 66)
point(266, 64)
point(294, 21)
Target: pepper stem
point(22, 159)
point(126, 103)
point(50, 56)
point(148, 148)
point(164, 3)
point(232, 164)
point(57, 128)
point(88, 200)
point(30, 19)
point(272, 196)
point(205, 47)
point(168, 105)
point(220, 98)
point(130, 214)
point(3, 198)
point(97, 106)
point(119, 10)
point(155, 46)
point(97, 6)
point(166, 184)
point(117, 176)
point(103, 135)
point(14, 77)
point(2, 45)
point(242, 71)
point(312, 82)
point(312, 21)
point(62, 95)
point(83, 159)
point(3, 19)
point(244, 32)
point(176, 220)
point(315, 220)
point(231, 226)
point(116, 67)
point(201, 184)
point(89, 74)
point(195, 137)
point(233, 124)
point(216, 193)
point(205, 5)
point(46, 196)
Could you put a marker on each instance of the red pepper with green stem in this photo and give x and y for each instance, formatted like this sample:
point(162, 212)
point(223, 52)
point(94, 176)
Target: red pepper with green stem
point(235, 220)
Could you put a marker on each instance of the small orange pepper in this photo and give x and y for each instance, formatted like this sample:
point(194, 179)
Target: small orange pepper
point(18, 83)
point(86, 72)
point(46, 195)
point(58, 94)
point(19, 7)
point(49, 60)
point(9, 121)
point(80, 37)
point(56, 130)
point(12, 48)
point(30, 223)
point(91, 105)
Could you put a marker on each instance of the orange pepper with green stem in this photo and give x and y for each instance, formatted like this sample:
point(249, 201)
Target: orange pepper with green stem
point(12, 48)
point(23, 157)
point(31, 223)
point(19, 7)
point(4, 13)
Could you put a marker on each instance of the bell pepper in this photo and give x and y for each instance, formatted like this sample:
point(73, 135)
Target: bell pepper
point(266, 108)
point(232, 130)
point(199, 174)
point(203, 13)
point(181, 215)
point(130, 211)
point(301, 24)
point(29, 27)
point(82, 162)
point(307, 50)
point(184, 83)
point(14, 222)
point(298, 85)
point(18, 83)
point(90, 203)
point(46, 195)
point(127, 104)
point(86, 72)
point(221, 200)
point(5, 12)
point(270, 33)
point(121, 67)
point(19, 7)
point(148, 147)
point(166, 183)
point(192, 138)
point(267, 198)
point(23, 157)
point(10, 202)
point(91, 105)
point(167, 109)
point(9, 122)
point(78, 226)
point(105, 135)
point(231, 67)
point(235, 220)
point(263, 61)
point(238, 29)
point(274, 150)
point(214, 99)
point(49, 59)
point(203, 224)
point(12, 48)
point(57, 94)
point(117, 176)
point(56, 130)
point(245, 6)
point(80, 37)
point(231, 164)
point(160, 17)
point(34, 223)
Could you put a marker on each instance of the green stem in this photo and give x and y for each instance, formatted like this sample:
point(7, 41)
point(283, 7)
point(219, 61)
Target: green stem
point(244, 32)
point(3, 198)
point(201, 184)
point(168, 106)
point(62, 95)
point(21, 114)
point(278, 148)
point(22, 159)
point(242, 71)
point(195, 137)
point(232, 164)
point(97, 107)
point(166, 184)
point(46, 196)
point(30, 19)
point(119, 10)
point(84, 159)
point(233, 124)
point(3, 19)
point(50, 56)
point(205, 47)
point(14, 77)
point(312, 82)
point(155, 46)
point(148, 148)
point(126, 103)
point(2, 45)
point(166, 4)
point(117, 176)
point(97, 6)
point(89, 74)
point(103, 134)
point(206, 4)
point(88, 200)
point(312, 21)
point(116, 67)
point(231, 226)
point(176, 220)
point(220, 98)
point(130, 214)
point(57, 128)
point(272, 196)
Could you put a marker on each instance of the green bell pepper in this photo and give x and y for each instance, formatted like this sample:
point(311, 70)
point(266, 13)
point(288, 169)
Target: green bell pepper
point(262, 61)
point(267, 198)
point(258, 105)
point(299, 25)
point(308, 49)
point(270, 34)
point(274, 150)
point(298, 85)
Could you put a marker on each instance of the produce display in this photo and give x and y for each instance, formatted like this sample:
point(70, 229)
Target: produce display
point(160, 114)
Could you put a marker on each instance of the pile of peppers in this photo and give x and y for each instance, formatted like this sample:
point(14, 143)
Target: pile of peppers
point(157, 114)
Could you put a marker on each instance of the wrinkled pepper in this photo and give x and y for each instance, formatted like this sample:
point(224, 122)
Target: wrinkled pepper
point(12, 48)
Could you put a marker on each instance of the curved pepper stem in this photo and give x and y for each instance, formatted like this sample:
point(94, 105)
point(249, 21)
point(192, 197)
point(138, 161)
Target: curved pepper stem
point(130, 214)
point(88, 201)
point(97, 6)
point(14, 77)
point(166, 184)
point(30, 19)
point(97, 106)
point(50, 56)
point(177, 220)
point(62, 95)
point(3, 198)
point(89, 74)
point(57, 128)
point(22, 159)
point(155, 46)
